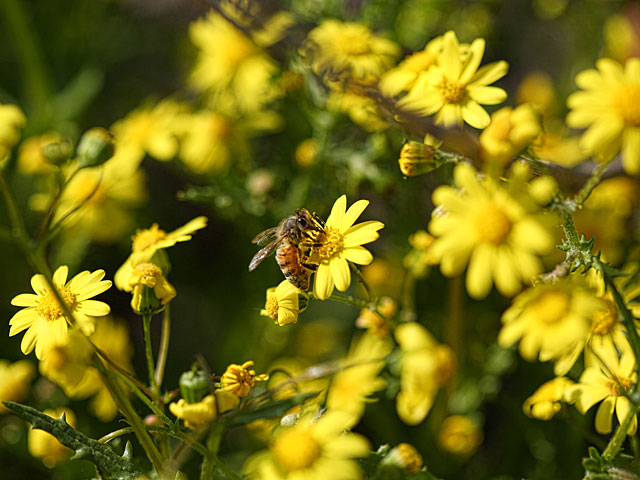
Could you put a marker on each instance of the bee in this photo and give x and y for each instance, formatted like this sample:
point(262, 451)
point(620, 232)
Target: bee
point(292, 239)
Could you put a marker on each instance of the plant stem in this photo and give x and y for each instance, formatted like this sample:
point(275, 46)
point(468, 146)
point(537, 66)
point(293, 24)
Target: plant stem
point(629, 323)
point(591, 183)
point(615, 444)
point(146, 324)
point(164, 346)
point(339, 297)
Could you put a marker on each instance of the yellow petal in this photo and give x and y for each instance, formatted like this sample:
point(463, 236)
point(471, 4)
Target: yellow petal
point(338, 211)
point(352, 215)
point(631, 151)
point(94, 308)
point(478, 279)
point(25, 300)
point(359, 255)
point(604, 414)
point(362, 233)
point(340, 273)
point(60, 275)
point(323, 284)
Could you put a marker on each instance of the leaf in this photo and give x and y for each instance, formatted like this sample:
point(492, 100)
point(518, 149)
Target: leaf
point(110, 464)
point(266, 410)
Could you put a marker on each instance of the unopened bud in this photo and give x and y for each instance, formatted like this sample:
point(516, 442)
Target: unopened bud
point(417, 158)
point(194, 386)
point(57, 151)
point(404, 456)
point(95, 147)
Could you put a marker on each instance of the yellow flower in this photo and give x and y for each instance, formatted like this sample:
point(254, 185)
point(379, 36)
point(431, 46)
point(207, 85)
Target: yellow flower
point(231, 66)
point(240, 379)
point(312, 449)
point(426, 366)
point(147, 130)
point(306, 152)
point(43, 318)
point(335, 48)
point(377, 321)
point(550, 320)
point(607, 383)
point(459, 435)
point(508, 133)
point(45, 446)
point(418, 260)
point(31, 161)
point(14, 381)
point(361, 109)
point(352, 386)
point(98, 201)
point(204, 411)
point(556, 146)
point(405, 456)
point(144, 277)
point(417, 158)
point(343, 244)
point(146, 242)
point(283, 303)
point(609, 106)
point(206, 144)
point(547, 400)
point(499, 232)
point(455, 88)
point(12, 120)
point(537, 90)
point(620, 36)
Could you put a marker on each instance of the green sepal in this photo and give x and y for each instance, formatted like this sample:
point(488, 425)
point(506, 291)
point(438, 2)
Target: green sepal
point(110, 464)
point(272, 409)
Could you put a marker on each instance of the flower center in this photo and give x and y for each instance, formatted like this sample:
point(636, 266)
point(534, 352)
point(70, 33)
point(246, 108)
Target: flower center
point(295, 449)
point(147, 274)
point(272, 307)
point(552, 306)
point(619, 385)
point(627, 102)
point(452, 92)
point(605, 320)
point(48, 306)
point(147, 237)
point(353, 44)
point(492, 225)
point(333, 245)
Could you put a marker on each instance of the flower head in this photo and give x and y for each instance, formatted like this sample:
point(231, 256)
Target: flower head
point(240, 379)
point(12, 119)
point(405, 456)
point(44, 319)
point(509, 132)
point(14, 381)
point(145, 278)
point(454, 88)
point(45, 446)
point(609, 107)
point(204, 411)
point(283, 303)
point(547, 400)
point(312, 449)
point(343, 244)
point(460, 435)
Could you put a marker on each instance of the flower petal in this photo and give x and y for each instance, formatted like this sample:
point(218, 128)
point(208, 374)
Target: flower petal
point(365, 232)
point(340, 273)
point(352, 215)
point(25, 300)
point(337, 211)
point(323, 284)
point(60, 275)
point(94, 308)
point(359, 255)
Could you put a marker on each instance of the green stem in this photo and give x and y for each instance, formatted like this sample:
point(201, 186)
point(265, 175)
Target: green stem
point(591, 183)
point(358, 273)
point(164, 346)
point(53, 202)
point(17, 223)
point(615, 444)
point(339, 297)
point(146, 325)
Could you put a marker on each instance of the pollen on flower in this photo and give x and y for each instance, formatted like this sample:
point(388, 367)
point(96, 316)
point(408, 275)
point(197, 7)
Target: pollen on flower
point(147, 237)
point(552, 306)
point(239, 379)
point(295, 449)
point(493, 225)
point(452, 92)
point(626, 101)
point(271, 307)
point(333, 245)
point(49, 307)
point(147, 274)
point(605, 320)
point(619, 385)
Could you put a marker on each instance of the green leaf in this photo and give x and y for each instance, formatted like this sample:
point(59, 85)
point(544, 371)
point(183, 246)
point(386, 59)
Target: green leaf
point(273, 409)
point(110, 464)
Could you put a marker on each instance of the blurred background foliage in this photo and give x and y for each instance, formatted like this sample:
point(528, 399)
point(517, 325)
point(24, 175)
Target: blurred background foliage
point(72, 64)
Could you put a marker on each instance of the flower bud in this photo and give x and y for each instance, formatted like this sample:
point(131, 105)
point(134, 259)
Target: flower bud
point(95, 147)
point(194, 385)
point(58, 151)
point(417, 158)
point(404, 456)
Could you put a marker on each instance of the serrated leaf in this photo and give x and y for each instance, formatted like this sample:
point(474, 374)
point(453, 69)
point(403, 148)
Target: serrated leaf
point(110, 464)
point(273, 409)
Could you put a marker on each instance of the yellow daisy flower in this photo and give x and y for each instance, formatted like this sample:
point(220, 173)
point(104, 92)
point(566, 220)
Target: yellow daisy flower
point(45, 446)
point(312, 449)
point(204, 411)
point(336, 48)
point(609, 107)
point(14, 381)
point(547, 400)
point(283, 303)
point(550, 320)
point(500, 233)
point(460, 435)
point(454, 89)
point(144, 277)
point(343, 244)
point(43, 318)
point(240, 379)
point(606, 383)
point(146, 242)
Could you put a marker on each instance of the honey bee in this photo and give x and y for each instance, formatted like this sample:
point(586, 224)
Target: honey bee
point(292, 239)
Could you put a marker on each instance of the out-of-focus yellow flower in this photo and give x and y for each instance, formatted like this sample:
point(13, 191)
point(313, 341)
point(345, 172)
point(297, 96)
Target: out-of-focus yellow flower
point(500, 233)
point(361, 109)
point(306, 152)
point(377, 321)
point(554, 145)
point(31, 161)
point(621, 38)
point(608, 106)
point(607, 383)
point(312, 449)
point(454, 89)
point(459, 435)
point(550, 320)
point(240, 379)
point(12, 119)
point(352, 386)
point(508, 133)
point(404, 456)
point(206, 146)
point(337, 48)
point(384, 277)
point(144, 278)
point(283, 304)
point(418, 260)
point(146, 242)
point(231, 67)
point(547, 400)
point(426, 366)
point(14, 381)
point(204, 411)
point(45, 446)
point(343, 244)
point(537, 90)
point(151, 130)
point(99, 201)
point(43, 318)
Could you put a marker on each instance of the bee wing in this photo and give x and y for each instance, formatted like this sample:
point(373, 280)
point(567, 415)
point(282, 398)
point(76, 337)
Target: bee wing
point(263, 237)
point(264, 253)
